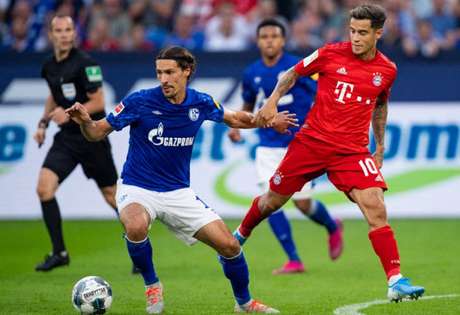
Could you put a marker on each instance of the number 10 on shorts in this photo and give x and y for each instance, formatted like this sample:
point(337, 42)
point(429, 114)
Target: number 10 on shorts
point(368, 166)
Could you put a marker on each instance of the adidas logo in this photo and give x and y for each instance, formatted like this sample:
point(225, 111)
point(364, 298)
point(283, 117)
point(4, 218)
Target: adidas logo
point(379, 178)
point(342, 70)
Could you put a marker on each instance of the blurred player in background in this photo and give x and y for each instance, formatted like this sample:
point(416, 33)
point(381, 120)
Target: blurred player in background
point(259, 80)
point(72, 76)
point(353, 89)
point(156, 175)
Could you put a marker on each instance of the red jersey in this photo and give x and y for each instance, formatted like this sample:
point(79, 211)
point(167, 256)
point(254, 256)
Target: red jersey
point(348, 88)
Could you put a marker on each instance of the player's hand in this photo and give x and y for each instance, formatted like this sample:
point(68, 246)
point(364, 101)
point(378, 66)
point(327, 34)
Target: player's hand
point(283, 120)
point(264, 117)
point(59, 116)
point(39, 136)
point(78, 113)
point(234, 135)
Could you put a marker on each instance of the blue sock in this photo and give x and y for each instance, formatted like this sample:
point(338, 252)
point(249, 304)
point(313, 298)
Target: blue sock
point(141, 255)
point(320, 215)
point(236, 270)
point(282, 230)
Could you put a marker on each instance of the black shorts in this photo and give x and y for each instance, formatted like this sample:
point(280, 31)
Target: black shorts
point(70, 149)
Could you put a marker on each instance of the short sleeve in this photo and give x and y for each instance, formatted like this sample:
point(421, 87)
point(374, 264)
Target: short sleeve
point(313, 63)
point(127, 112)
point(248, 94)
point(90, 75)
point(213, 110)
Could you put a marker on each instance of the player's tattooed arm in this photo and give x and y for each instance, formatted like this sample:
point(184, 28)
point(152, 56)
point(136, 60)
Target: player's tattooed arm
point(379, 122)
point(285, 83)
point(92, 130)
point(265, 115)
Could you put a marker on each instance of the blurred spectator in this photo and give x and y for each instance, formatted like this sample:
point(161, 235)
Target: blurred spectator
point(137, 41)
point(457, 23)
point(424, 42)
point(201, 10)
point(139, 12)
point(164, 12)
point(114, 15)
point(422, 8)
point(443, 23)
point(227, 31)
point(392, 36)
point(99, 37)
point(333, 28)
point(184, 34)
point(265, 9)
point(219, 25)
point(307, 28)
point(18, 39)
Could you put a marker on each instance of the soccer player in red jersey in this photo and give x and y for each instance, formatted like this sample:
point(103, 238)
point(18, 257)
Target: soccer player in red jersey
point(353, 89)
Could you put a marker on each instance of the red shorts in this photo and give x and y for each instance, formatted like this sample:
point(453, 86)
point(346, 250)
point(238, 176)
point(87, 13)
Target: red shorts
point(309, 158)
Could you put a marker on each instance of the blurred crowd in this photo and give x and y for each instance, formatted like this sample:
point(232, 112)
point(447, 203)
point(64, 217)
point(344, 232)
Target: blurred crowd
point(417, 27)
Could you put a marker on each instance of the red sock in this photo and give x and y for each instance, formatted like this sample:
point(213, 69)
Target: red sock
point(252, 218)
point(385, 247)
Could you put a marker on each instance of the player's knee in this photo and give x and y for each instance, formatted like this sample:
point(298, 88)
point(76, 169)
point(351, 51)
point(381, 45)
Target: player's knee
point(230, 248)
point(136, 227)
point(136, 231)
point(45, 191)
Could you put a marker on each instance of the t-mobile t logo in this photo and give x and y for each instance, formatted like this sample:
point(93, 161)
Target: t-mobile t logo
point(343, 90)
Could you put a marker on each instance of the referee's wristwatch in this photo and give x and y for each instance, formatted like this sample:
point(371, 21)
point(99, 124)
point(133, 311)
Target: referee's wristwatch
point(43, 123)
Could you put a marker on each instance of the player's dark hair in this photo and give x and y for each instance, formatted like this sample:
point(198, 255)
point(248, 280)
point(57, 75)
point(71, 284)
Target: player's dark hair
point(183, 57)
point(271, 22)
point(372, 12)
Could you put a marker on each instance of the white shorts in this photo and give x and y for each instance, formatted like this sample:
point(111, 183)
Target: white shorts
point(181, 210)
point(267, 161)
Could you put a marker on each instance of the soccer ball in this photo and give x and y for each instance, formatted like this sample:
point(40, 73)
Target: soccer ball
point(92, 295)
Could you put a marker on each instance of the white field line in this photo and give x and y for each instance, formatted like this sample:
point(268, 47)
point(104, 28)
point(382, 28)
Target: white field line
point(353, 309)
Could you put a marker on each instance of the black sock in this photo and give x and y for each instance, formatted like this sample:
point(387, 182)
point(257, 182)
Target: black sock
point(52, 218)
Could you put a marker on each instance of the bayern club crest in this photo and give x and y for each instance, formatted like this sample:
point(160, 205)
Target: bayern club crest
point(377, 79)
point(277, 178)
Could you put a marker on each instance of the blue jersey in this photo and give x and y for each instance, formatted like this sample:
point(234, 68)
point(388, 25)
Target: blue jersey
point(260, 80)
point(161, 136)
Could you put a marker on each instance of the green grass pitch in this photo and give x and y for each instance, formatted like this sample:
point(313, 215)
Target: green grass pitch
point(194, 283)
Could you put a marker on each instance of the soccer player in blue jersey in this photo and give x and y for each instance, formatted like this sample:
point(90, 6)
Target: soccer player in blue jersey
point(259, 80)
point(156, 175)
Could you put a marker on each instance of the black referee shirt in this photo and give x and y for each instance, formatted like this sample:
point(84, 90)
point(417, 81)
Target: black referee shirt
point(70, 79)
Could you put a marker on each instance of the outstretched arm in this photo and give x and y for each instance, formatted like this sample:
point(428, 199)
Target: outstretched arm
point(234, 133)
point(92, 130)
point(266, 114)
point(379, 122)
point(241, 119)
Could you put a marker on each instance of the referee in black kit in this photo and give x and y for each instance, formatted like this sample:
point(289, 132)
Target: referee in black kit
point(72, 76)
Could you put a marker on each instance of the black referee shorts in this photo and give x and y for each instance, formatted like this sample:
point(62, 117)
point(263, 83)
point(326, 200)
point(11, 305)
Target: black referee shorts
point(70, 149)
